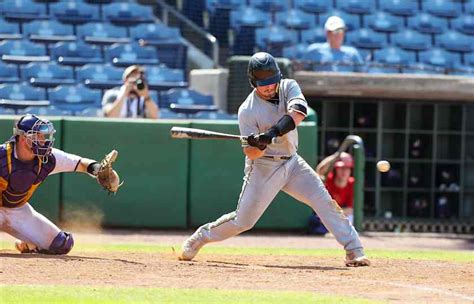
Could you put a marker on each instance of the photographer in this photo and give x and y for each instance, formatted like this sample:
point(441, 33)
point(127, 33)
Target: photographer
point(132, 99)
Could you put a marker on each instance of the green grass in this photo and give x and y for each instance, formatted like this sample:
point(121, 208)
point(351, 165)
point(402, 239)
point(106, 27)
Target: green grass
point(435, 255)
point(70, 294)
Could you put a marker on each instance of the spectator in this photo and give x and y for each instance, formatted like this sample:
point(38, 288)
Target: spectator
point(132, 99)
point(332, 55)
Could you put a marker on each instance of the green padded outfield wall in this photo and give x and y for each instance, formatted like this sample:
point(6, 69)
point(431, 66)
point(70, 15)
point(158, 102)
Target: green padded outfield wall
point(45, 200)
point(216, 176)
point(153, 166)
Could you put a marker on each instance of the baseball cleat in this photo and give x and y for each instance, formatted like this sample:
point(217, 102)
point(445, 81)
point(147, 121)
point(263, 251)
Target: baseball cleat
point(24, 247)
point(191, 246)
point(356, 259)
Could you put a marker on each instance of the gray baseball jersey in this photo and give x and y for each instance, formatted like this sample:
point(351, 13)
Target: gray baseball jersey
point(281, 168)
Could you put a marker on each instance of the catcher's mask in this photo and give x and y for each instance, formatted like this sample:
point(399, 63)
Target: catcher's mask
point(39, 134)
point(263, 70)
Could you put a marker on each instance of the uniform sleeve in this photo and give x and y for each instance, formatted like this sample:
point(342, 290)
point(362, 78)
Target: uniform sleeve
point(247, 124)
point(65, 162)
point(296, 100)
point(109, 97)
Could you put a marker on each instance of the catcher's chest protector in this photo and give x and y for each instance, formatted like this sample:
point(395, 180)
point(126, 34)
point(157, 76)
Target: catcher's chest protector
point(18, 180)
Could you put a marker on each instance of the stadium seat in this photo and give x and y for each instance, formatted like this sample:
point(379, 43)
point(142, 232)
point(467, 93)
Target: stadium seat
point(411, 40)
point(218, 115)
point(186, 101)
point(47, 74)
point(455, 41)
point(90, 112)
point(271, 5)
point(352, 21)
point(9, 30)
point(394, 56)
point(155, 33)
point(356, 6)
point(313, 6)
point(99, 76)
point(213, 5)
point(296, 19)
point(22, 51)
point(163, 78)
point(23, 10)
point(21, 92)
point(313, 35)
point(48, 31)
point(469, 59)
point(374, 69)
point(7, 111)
point(249, 16)
point(102, 33)
point(168, 114)
point(45, 111)
point(76, 53)
point(384, 22)
point(128, 54)
point(128, 13)
point(399, 7)
point(464, 24)
point(8, 73)
point(428, 24)
point(74, 12)
point(462, 70)
point(274, 38)
point(469, 7)
point(74, 98)
point(422, 68)
point(366, 38)
point(295, 52)
point(439, 58)
point(442, 8)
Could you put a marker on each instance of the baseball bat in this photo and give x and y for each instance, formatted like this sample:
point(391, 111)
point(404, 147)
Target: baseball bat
point(192, 133)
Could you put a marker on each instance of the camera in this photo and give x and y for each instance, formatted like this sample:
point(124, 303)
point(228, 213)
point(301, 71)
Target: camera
point(140, 83)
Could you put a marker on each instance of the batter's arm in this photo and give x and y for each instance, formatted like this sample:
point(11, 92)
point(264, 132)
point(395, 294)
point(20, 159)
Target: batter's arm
point(297, 116)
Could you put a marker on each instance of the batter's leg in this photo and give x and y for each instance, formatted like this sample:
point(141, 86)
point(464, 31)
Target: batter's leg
point(262, 182)
point(306, 186)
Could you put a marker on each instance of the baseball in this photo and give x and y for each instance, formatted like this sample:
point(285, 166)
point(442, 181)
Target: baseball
point(383, 166)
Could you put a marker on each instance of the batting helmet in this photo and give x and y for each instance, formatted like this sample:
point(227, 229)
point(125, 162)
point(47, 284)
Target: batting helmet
point(39, 134)
point(346, 161)
point(263, 70)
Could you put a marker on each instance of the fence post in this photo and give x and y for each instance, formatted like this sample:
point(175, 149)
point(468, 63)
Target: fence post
point(359, 175)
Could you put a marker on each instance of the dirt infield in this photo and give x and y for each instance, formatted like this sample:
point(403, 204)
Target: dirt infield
point(393, 280)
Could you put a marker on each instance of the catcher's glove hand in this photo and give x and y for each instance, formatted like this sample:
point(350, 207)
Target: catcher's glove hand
point(106, 176)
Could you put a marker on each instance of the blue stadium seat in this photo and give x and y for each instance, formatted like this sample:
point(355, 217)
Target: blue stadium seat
point(464, 24)
point(399, 7)
point(48, 31)
point(128, 13)
point(296, 19)
point(90, 112)
point(394, 56)
point(384, 22)
point(352, 21)
point(128, 54)
point(74, 98)
point(7, 111)
point(21, 92)
point(428, 24)
point(213, 5)
point(411, 40)
point(295, 52)
point(313, 6)
point(462, 70)
point(218, 115)
point(271, 5)
point(76, 53)
point(274, 38)
point(469, 7)
point(99, 76)
point(422, 68)
point(168, 114)
point(184, 97)
point(102, 33)
point(455, 41)
point(22, 51)
point(442, 8)
point(47, 74)
point(163, 78)
point(8, 73)
point(439, 58)
point(248, 16)
point(374, 69)
point(45, 111)
point(366, 38)
point(356, 6)
point(22, 10)
point(469, 59)
point(313, 35)
point(155, 33)
point(74, 12)
point(9, 30)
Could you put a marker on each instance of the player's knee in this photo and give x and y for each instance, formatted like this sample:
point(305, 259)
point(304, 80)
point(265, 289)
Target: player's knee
point(62, 243)
point(244, 226)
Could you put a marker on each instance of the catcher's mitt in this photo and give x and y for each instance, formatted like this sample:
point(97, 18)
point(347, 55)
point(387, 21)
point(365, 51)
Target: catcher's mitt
point(106, 176)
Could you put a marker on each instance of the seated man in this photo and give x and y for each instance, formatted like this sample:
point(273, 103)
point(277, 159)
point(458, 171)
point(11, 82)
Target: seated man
point(332, 55)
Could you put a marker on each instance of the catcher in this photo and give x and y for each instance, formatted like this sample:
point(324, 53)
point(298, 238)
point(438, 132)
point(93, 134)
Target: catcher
point(26, 160)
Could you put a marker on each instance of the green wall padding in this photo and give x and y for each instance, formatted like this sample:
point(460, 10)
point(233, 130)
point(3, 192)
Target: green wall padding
point(45, 200)
point(153, 166)
point(216, 174)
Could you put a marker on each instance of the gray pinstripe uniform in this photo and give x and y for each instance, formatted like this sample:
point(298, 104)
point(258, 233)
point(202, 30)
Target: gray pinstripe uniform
point(266, 176)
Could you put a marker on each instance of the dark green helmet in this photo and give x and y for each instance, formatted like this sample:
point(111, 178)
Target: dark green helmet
point(263, 70)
